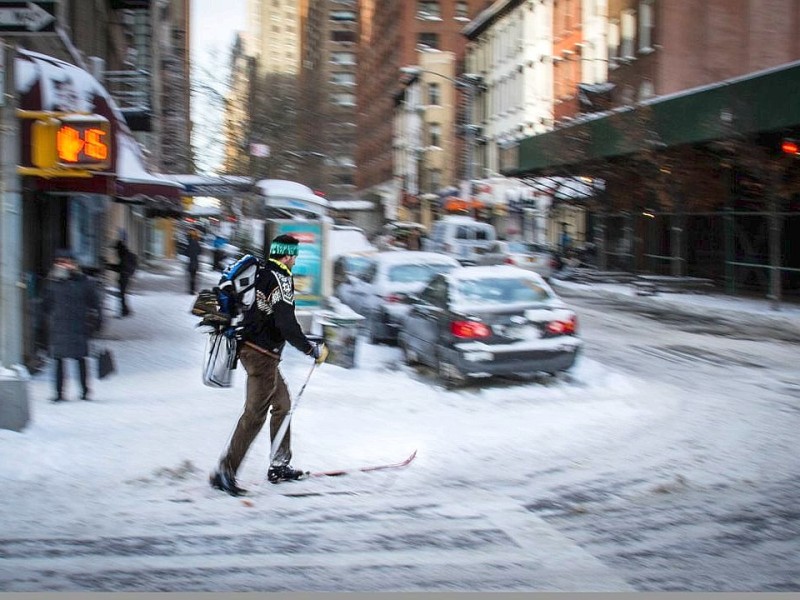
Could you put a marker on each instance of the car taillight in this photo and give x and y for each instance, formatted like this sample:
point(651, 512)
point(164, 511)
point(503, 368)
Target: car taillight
point(509, 261)
point(392, 298)
point(469, 329)
point(563, 326)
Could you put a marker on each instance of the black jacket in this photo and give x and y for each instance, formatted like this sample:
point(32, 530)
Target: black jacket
point(193, 252)
point(67, 303)
point(271, 322)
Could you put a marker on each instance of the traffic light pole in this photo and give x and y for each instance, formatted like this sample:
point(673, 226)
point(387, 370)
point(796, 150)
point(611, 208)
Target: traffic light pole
point(14, 413)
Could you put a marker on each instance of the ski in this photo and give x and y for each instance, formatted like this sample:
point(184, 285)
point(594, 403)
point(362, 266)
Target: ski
point(247, 499)
point(383, 467)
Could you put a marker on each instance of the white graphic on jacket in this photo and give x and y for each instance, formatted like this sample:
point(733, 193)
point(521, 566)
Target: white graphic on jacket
point(284, 292)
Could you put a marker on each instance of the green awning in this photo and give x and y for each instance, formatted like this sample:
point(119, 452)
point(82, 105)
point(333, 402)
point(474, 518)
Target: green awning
point(760, 102)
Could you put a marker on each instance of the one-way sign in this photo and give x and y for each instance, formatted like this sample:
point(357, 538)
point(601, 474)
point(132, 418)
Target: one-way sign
point(25, 18)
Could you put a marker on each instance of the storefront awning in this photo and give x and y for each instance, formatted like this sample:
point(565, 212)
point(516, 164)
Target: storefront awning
point(134, 183)
point(756, 103)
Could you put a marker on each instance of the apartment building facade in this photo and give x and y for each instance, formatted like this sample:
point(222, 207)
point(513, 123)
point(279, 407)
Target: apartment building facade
point(326, 152)
point(391, 35)
point(699, 90)
point(273, 36)
point(425, 143)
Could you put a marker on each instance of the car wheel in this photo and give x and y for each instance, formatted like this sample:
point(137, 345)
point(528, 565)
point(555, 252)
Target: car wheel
point(448, 374)
point(409, 356)
point(372, 330)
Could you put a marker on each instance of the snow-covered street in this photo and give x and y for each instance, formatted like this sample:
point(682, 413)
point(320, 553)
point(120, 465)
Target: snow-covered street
point(666, 462)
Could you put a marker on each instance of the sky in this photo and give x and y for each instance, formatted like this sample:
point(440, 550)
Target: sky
point(215, 23)
point(133, 463)
point(214, 27)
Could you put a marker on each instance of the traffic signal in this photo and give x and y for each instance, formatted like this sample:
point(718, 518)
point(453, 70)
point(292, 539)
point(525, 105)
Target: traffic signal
point(71, 141)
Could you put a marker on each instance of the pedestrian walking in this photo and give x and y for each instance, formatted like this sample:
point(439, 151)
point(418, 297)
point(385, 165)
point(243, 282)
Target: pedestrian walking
point(193, 253)
point(70, 300)
point(219, 252)
point(267, 326)
point(125, 267)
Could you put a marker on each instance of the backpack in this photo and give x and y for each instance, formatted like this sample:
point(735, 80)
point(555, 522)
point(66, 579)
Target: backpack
point(222, 308)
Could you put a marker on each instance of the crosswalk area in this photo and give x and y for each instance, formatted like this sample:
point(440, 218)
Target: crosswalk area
point(288, 546)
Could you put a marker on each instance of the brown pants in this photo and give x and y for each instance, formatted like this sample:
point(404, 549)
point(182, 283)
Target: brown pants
point(265, 388)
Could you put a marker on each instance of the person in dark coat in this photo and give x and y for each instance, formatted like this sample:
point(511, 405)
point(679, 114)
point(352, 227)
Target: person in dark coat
point(268, 325)
point(193, 253)
point(125, 266)
point(69, 299)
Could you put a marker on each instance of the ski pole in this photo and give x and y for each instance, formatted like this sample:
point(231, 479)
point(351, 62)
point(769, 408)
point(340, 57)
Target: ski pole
point(287, 419)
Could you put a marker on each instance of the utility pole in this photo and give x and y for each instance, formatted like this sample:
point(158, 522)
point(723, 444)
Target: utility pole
point(14, 412)
point(469, 82)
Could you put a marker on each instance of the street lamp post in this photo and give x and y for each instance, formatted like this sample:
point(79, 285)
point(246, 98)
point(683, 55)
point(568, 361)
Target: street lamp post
point(468, 82)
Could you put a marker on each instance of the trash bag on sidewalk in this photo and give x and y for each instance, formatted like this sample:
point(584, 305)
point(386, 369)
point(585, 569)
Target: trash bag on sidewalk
point(105, 363)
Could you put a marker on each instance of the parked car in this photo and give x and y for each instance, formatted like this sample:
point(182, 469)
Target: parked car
point(489, 321)
point(350, 264)
point(346, 238)
point(525, 255)
point(378, 289)
point(403, 234)
point(460, 237)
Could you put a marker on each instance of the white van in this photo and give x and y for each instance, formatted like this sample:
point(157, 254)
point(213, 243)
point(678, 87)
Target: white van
point(463, 238)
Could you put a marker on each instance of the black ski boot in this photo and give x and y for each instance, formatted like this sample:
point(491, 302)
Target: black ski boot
point(224, 481)
point(284, 473)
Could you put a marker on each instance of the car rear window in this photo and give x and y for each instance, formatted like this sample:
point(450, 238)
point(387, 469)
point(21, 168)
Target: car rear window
point(413, 273)
point(500, 290)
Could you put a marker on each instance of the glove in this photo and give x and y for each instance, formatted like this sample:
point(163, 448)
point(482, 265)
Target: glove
point(320, 353)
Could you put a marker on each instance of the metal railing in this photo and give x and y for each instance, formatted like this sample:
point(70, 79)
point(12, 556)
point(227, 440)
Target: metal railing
point(130, 89)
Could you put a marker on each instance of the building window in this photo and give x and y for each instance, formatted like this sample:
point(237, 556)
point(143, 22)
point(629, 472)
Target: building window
point(343, 36)
point(344, 99)
point(343, 15)
point(345, 179)
point(613, 43)
point(646, 26)
point(628, 25)
point(343, 58)
point(343, 78)
point(431, 40)
point(428, 9)
point(435, 135)
point(435, 179)
point(646, 90)
point(434, 94)
point(462, 10)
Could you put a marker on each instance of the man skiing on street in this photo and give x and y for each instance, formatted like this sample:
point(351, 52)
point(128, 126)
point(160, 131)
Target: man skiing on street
point(266, 327)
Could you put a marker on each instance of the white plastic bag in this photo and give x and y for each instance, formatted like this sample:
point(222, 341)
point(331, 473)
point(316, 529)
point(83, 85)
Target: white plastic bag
point(220, 361)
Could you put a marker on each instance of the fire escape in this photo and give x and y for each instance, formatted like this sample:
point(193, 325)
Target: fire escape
point(176, 156)
point(132, 88)
point(153, 93)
